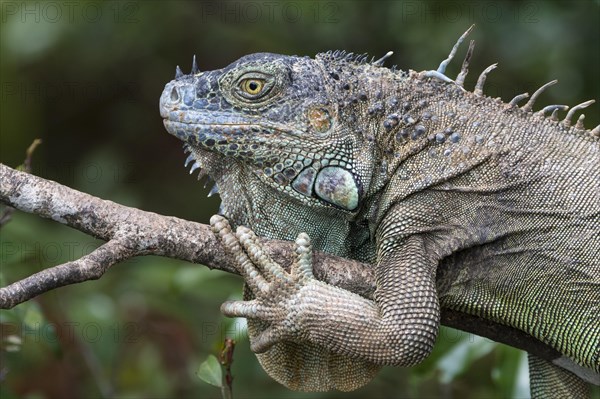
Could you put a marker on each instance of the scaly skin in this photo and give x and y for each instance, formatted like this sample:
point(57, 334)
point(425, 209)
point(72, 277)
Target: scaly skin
point(457, 199)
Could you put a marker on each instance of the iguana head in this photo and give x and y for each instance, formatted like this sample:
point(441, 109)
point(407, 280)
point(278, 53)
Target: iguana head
point(273, 125)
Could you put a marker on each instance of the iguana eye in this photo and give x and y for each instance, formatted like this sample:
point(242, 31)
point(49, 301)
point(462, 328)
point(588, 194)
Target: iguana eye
point(252, 86)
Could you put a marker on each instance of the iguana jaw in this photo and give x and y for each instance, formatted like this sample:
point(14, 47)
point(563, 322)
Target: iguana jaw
point(242, 140)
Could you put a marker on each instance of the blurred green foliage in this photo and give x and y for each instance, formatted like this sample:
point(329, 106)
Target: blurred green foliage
point(86, 78)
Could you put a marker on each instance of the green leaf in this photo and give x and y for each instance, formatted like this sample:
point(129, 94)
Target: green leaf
point(210, 371)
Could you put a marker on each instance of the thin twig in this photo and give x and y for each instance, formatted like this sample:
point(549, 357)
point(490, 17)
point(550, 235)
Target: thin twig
point(88, 267)
point(226, 360)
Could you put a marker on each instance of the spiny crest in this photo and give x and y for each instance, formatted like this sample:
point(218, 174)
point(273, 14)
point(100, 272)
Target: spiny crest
point(179, 73)
point(528, 107)
point(196, 165)
point(341, 56)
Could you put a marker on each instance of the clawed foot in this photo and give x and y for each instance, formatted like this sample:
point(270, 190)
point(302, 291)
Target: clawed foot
point(278, 295)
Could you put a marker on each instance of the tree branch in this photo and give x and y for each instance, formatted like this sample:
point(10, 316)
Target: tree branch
point(88, 267)
point(131, 232)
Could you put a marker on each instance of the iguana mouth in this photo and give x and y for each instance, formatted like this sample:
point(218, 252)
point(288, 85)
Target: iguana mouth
point(209, 134)
point(256, 144)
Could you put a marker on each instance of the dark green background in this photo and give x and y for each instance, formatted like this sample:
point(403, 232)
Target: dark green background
point(86, 78)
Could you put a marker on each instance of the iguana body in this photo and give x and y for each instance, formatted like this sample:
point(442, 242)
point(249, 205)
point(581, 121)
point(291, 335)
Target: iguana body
point(458, 200)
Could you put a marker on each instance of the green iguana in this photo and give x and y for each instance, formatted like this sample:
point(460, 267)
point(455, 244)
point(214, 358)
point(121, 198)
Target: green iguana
point(459, 201)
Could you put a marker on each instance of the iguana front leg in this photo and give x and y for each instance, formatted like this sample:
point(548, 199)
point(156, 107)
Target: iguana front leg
point(398, 328)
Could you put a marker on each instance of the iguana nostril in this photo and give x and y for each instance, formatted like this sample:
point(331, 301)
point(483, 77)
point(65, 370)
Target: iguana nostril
point(174, 95)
